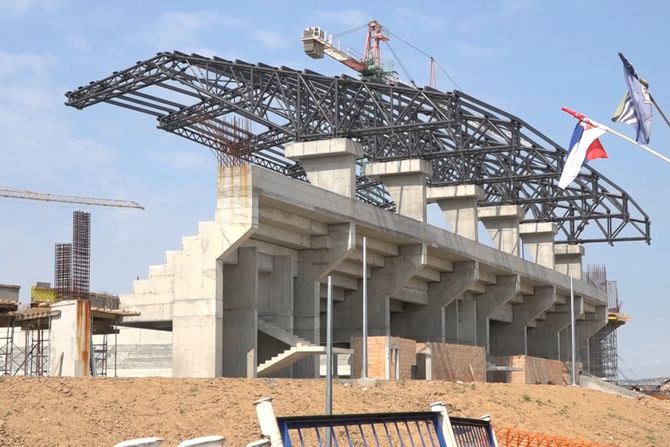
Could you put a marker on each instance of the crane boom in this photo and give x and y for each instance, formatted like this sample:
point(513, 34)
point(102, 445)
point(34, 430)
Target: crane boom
point(30, 195)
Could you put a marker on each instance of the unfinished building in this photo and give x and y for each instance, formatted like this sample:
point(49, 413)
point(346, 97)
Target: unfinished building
point(329, 161)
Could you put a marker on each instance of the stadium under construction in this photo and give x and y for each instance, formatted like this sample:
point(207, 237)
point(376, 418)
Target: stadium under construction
point(324, 176)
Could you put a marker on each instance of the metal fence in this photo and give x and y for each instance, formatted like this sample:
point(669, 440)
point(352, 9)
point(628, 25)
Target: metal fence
point(389, 429)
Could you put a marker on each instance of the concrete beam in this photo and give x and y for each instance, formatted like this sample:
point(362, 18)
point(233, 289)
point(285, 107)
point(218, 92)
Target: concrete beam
point(459, 205)
point(502, 224)
point(431, 322)
point(568, 260)
point(313, 265)
point(384, 283)
point(329, 164)
point(543, 340)
point(240, 315)
point(538, 240)
point(405, 181)
point(506, 289)
point(511, 338)
point(586, 329)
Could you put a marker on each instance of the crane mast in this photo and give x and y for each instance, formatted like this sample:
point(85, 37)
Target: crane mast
point(31, 195)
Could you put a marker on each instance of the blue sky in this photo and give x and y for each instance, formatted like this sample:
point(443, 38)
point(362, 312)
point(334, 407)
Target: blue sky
point(526, 57)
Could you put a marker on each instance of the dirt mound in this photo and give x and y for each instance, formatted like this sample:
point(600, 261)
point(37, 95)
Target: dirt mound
point(82, 412)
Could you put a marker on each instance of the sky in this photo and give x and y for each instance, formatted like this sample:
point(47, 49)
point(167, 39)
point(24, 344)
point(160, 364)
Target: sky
point(528, 58)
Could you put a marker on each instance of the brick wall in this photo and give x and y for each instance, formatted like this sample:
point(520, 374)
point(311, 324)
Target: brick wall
point(377, 352)
point(535, 370)
point(457, 362)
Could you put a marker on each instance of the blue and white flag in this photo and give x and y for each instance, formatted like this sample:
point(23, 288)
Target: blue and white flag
point(584, 146)
point(635, 107)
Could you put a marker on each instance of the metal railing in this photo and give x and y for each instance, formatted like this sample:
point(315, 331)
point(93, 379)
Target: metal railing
point(412, 429)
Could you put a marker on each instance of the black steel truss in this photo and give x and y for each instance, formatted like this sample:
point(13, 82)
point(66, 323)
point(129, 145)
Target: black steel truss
point(466, 140)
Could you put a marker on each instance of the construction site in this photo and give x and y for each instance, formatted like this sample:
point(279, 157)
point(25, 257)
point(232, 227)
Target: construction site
point(323, 190)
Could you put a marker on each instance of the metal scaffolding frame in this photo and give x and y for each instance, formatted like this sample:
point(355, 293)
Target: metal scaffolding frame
point(603, 346)
point(465, 139)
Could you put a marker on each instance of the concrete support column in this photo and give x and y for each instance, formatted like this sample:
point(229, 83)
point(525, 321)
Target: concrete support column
point(70, 342)
point(313, 265)
point(502, 224)
point(329, 164)
point(510, 338)
point(459, 205)
point(543, 340)
point(586, 329)
point(277, 306)
point(240, 315)
point(405, 180)
point(506, 289)
point(538, 240)
point(383, 283)
point(429, 322)
point(467, 319)
point(568, 260)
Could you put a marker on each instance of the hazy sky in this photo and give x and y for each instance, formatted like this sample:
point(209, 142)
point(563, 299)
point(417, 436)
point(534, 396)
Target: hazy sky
point(526, 57)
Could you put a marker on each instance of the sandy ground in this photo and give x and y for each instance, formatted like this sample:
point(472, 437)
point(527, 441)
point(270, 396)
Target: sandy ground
point(82, 412)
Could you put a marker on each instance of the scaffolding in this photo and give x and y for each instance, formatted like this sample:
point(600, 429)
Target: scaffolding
point(603, 346)
point(100, 356)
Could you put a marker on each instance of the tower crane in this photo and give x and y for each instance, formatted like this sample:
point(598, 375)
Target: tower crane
point(316, 43)
point(30, 195)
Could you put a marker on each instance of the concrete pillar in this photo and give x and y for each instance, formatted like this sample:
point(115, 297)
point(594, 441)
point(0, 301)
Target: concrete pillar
point(70, 342)
point(405, 180)
point(197, 312)
point(382, 284)
point(277, 306)
point(506, 289)
point(459, 205)
point(502, 224)
point(329, 164)
point(431, 322)
point(586, 329)
point(568, 260)
point(510, 338)
point(467, 319)
point(543, 340)
point(313, 265)
point(538, 240)
point(240, 315)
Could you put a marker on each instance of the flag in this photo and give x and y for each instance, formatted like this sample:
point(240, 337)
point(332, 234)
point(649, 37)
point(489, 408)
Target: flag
point(584, 146)
point(635, 107)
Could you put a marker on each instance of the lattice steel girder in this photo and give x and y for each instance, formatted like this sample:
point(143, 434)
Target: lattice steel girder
point(466, 140)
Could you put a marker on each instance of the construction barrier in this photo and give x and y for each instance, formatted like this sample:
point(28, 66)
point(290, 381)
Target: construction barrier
point(512, 437)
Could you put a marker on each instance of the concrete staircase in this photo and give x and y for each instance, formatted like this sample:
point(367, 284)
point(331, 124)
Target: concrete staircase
point(280, 334)
point(299, 349)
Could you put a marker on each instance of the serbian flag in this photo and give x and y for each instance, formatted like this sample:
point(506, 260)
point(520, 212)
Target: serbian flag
point(584, 146)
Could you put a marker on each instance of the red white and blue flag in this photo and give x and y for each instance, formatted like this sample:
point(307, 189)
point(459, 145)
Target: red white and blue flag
point(584, 146)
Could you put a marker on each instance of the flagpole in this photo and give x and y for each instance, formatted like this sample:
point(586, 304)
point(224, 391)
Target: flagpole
point(659, 110)
point(581, 117)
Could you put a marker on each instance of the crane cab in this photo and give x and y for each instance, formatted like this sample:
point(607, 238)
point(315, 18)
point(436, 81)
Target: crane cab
point(313, 39)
